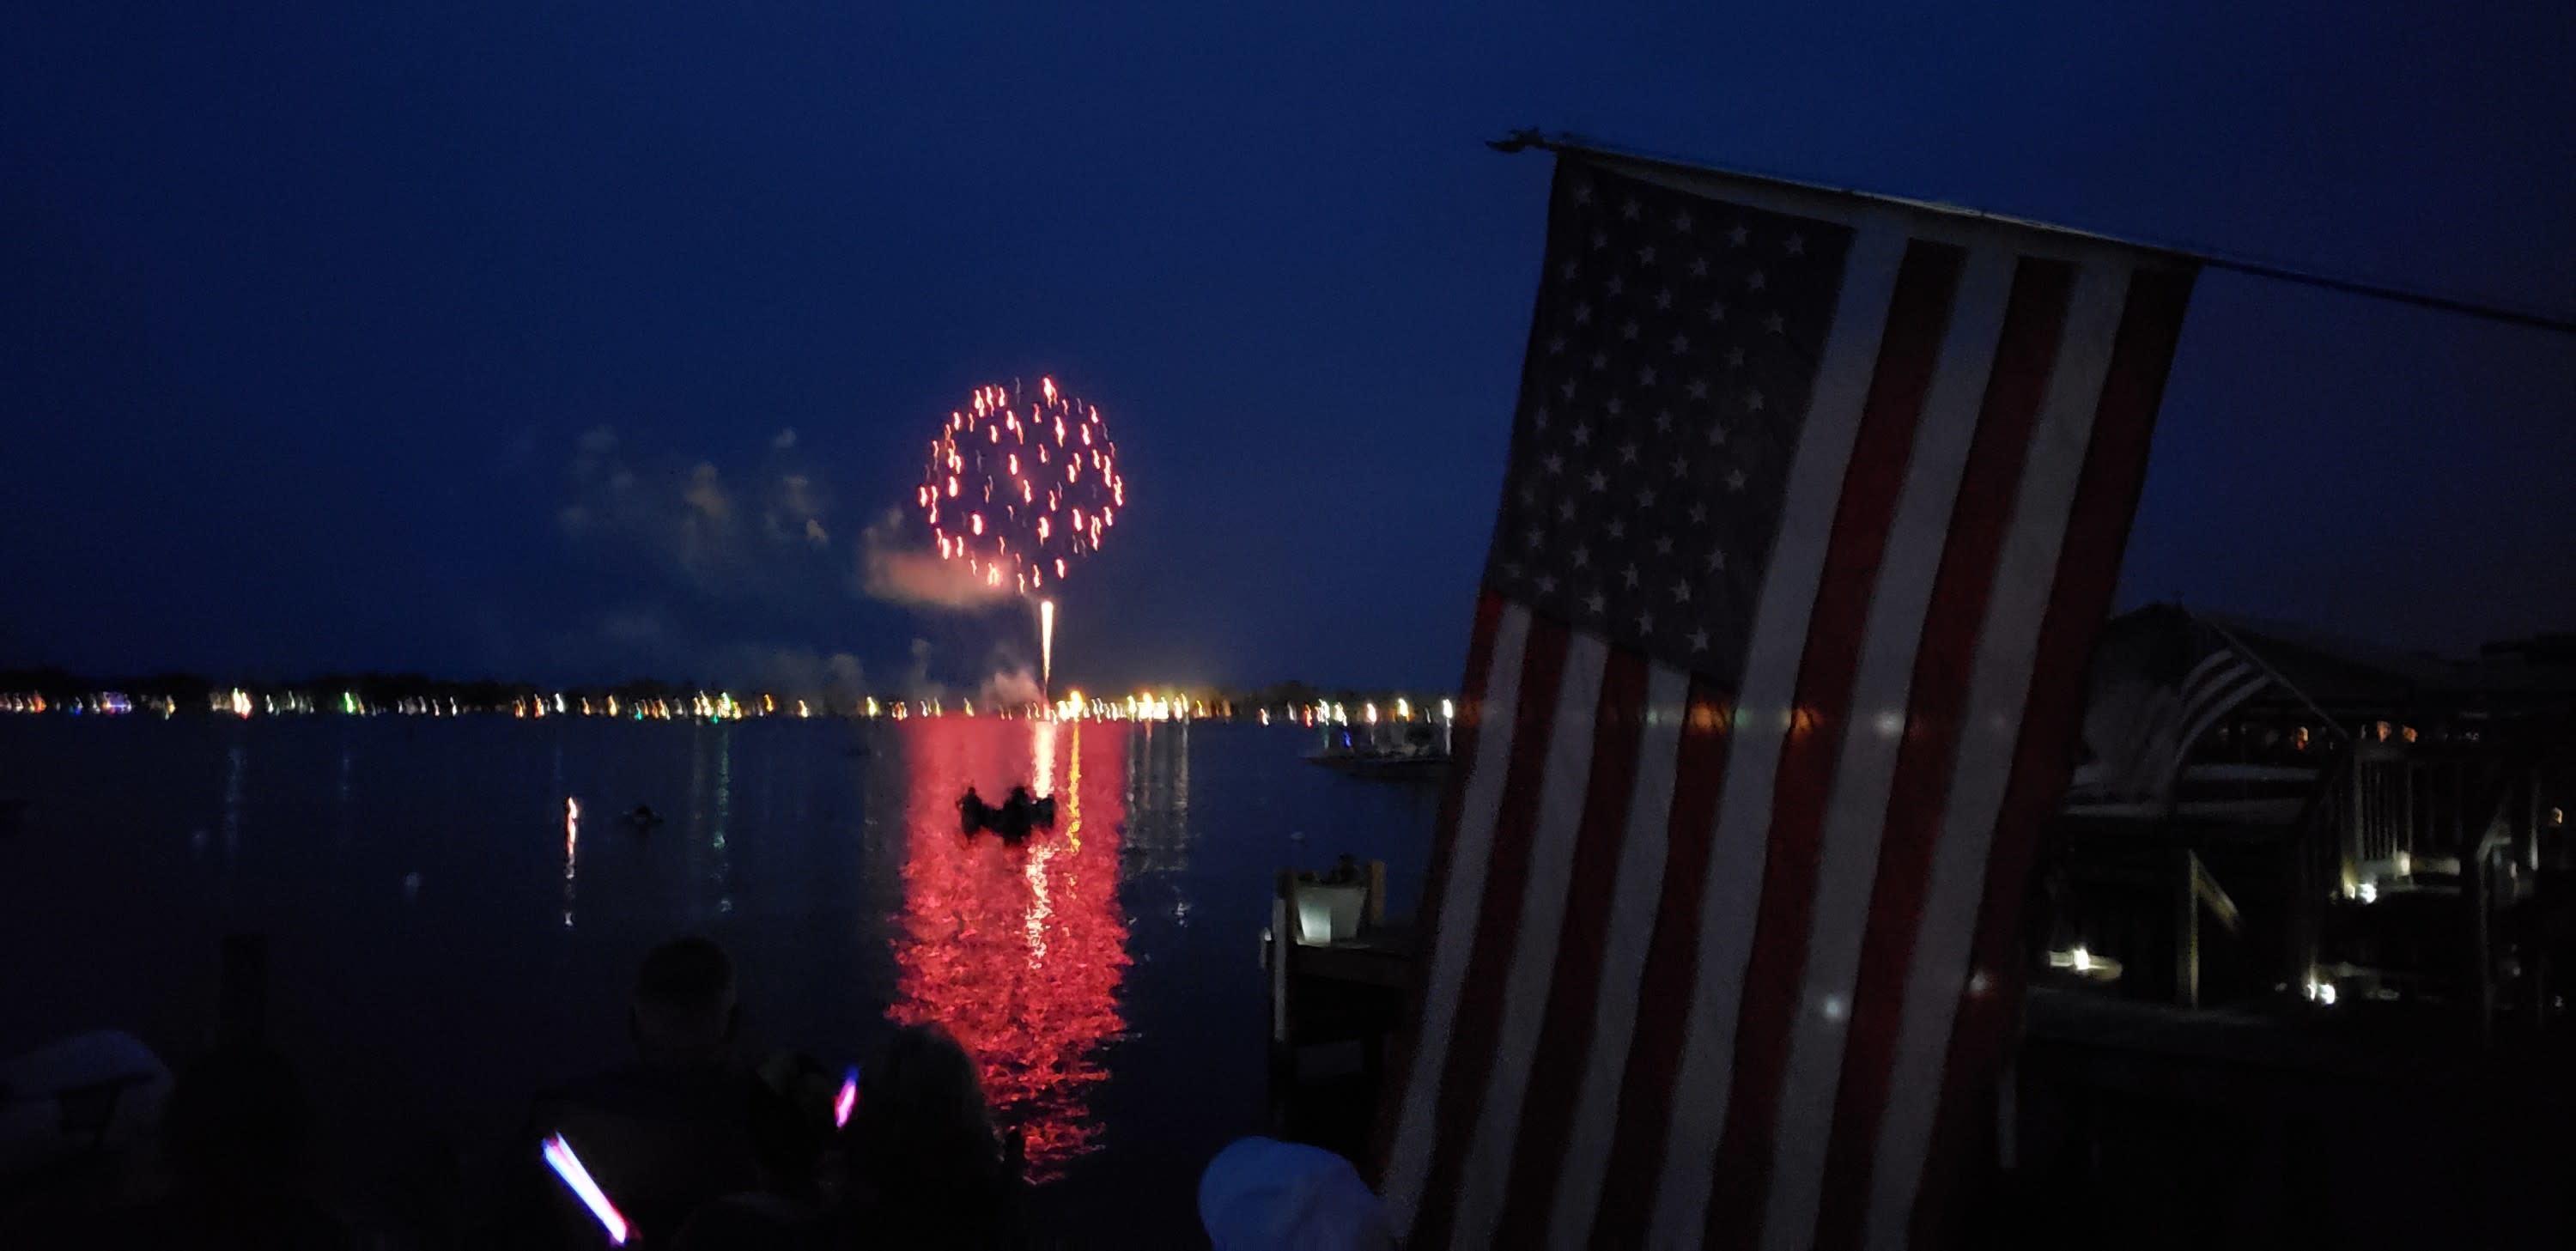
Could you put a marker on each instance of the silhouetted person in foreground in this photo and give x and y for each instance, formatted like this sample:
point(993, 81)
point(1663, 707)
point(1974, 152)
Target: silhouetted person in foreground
point(667, 1133)
point(926, 1171)
point(794, 1145)
point(1260, 1194)
point(236, 1134)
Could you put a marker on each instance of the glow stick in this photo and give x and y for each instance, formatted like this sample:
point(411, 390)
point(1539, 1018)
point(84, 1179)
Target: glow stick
point(848, 1100)
point(568, 1167)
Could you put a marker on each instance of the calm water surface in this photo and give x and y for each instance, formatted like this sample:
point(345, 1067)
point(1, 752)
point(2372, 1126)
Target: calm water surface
point(448, 936)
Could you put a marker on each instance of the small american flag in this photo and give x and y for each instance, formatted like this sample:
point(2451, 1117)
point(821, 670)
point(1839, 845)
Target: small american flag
point(1814, 506)
point(2158, 685)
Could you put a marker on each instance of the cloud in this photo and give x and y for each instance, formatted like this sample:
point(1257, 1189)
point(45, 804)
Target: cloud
point(916, 679)
point(708, 530)
point(837, 678)
point(894, 568)
point(640, 629)
point(1012, 687)
point(794, 511)
point(784, 439)
point(706, 494)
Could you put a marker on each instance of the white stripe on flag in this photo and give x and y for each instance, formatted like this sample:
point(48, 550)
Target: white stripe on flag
point(1788, 596)
point(1856, 810)
point(1640, 885)
point(1989, 731)
point(1535, 928)
point(1464, 884)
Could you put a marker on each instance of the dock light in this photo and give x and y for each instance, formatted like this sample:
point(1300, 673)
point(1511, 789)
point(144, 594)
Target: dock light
point(567, 1166)
point(847, 1101)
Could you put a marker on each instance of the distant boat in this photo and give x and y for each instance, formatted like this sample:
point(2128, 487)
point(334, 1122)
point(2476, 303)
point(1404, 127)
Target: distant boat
point(1385, 766)
point(1415, 756)
point(1012, 819)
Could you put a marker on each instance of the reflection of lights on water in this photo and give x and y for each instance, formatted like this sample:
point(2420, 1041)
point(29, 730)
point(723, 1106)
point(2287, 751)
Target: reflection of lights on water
point(1017, 950)
point(572, 852)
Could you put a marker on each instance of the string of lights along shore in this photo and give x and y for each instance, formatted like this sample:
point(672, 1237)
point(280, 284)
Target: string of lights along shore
point(1021, 487)
point(1387, 709)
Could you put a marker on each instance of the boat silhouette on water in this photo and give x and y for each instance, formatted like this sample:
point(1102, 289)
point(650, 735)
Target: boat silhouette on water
point(1013, 818)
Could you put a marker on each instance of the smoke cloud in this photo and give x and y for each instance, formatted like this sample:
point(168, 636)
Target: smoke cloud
point(1012, 687)
point(895, 568)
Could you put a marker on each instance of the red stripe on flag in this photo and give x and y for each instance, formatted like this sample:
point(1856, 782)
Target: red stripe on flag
point(2088, 568)
point(1937, 698)
point(1453, 793)
point(1493, 931)
point(1663, 993)
point(1917, 313)
point(1565, 1032)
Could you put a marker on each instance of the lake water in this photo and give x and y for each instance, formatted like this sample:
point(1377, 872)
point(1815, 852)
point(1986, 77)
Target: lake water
point(448, 937)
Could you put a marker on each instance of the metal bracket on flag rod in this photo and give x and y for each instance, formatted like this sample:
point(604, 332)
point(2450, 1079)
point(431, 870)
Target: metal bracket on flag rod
point(2485, 310)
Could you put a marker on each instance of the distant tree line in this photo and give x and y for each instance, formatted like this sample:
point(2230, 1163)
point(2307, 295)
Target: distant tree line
point(378, 690)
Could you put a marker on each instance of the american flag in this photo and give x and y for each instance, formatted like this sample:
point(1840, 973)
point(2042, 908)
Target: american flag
point(1814, 506)
point(2154, 694)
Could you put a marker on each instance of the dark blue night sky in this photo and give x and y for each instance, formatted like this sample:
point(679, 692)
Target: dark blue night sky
point(323, 338)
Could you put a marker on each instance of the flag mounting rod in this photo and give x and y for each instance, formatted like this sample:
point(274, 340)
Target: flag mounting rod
point(2484, 310)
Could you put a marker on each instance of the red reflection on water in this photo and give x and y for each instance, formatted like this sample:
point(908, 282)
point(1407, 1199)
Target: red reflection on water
point(1018, 950)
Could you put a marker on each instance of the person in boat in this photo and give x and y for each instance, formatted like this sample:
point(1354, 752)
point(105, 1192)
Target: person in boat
point(1021, 805)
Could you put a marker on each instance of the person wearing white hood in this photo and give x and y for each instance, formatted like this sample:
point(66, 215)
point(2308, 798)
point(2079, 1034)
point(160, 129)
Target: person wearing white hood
point(1261, 1194)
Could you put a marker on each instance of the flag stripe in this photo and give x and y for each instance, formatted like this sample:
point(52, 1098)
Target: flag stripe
point(1462, 745)
point(1560, 934)
point(1938, 695)
point(1854, 803)
point(1675, 1163)
point(1486, 928)
point(2088, 569)
point(1907, 361)
point(1638, 1106)
point(1449, 914)
point(2026, 572)
point(1592, 1007)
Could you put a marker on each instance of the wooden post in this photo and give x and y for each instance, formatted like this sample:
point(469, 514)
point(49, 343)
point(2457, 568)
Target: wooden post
point(1373, 914)
point(1282, 942)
